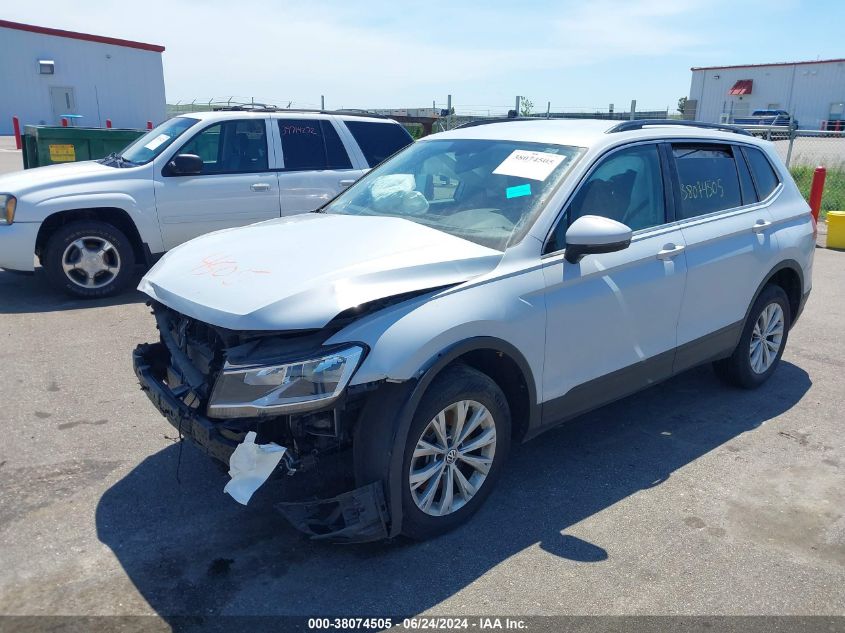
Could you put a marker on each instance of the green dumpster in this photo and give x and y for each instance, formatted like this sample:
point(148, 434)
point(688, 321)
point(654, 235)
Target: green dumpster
point(48, 145)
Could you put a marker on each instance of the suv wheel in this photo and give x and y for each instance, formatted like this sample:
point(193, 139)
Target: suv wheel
point(456, 446)
point(89, 259)
point(762, 342)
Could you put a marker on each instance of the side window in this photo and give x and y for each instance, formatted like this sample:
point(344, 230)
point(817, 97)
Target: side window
point(708, 177)
point(626, 187)
point(336, 156)
point(764, 174)
point(231, 147)
point(749, 193)
point(302, 144)
point(378, 140)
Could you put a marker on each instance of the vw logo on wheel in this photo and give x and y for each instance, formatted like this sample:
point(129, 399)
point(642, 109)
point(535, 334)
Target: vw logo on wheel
point(451, 456)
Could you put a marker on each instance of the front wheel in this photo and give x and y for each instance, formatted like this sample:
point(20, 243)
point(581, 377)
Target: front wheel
point(89, 259)
point(762, 341)
point(456, 446)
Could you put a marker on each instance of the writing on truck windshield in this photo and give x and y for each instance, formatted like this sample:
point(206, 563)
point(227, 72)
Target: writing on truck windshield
point(485, 191)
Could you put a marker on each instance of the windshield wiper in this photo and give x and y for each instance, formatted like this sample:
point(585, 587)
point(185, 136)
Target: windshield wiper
point(116, 159)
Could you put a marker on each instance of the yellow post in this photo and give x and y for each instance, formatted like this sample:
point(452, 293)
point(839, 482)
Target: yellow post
point(836, 229)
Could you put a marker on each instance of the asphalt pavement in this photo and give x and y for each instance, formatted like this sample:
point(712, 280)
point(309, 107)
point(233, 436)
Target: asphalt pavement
point(689, 498)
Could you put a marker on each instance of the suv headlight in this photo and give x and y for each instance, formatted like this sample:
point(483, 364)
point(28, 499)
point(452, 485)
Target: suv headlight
point(8, 203)
point(242, 391)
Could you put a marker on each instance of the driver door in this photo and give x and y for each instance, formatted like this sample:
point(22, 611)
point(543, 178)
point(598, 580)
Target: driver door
point(235, 187)
point(612, 318)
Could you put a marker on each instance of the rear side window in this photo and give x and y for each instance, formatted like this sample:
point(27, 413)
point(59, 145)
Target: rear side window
point(764, 175)
point(708, 179)
point(378, 140)
point(312, 144)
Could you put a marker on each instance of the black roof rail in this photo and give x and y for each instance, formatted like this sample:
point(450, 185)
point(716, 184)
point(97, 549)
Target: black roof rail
point(638, 124)
point(260, 107)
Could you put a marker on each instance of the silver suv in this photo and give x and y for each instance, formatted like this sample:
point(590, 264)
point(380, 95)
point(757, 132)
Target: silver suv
point(480, 287)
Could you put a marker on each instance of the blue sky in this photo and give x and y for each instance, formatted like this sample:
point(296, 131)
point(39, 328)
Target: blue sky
point(394, 54)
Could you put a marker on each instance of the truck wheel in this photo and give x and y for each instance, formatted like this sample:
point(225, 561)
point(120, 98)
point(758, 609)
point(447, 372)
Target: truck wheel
point(89, 259)
point(762, 342)
point(456, 446)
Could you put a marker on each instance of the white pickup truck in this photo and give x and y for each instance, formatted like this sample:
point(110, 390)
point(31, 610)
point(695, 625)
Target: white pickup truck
point(91, 223)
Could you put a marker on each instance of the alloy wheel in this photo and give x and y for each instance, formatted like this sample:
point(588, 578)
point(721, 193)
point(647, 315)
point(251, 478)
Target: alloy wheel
point(766, 338)
point(452, 458)
point(91, 262)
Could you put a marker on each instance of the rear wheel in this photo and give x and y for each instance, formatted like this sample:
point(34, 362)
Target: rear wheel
point(89, 259)
point(456, 446)
point(762, 341)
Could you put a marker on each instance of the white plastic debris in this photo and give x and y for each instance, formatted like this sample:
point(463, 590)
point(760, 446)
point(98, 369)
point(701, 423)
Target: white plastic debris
point(250, 466)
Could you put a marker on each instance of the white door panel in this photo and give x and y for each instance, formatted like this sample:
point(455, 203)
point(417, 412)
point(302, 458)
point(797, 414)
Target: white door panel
point(189, 206)
point(727, 259)
point(611, 311)
point(238, 188)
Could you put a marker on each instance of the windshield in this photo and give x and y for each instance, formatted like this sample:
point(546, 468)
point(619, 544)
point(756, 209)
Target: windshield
point(485, 191)
point(154, 142)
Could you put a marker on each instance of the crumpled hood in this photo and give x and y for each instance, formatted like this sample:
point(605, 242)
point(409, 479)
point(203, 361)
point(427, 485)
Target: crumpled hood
point(301, 271)
point(20, 183)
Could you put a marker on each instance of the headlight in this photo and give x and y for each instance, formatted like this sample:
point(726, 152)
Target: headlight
point(8, 203)
point(285, 388)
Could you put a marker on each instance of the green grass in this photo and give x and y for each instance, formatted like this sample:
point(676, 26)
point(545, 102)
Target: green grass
point(833, 196)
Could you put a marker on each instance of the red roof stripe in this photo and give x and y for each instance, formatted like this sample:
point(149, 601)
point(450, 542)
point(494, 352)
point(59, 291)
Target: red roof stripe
point(81, 36)
point(817, 61)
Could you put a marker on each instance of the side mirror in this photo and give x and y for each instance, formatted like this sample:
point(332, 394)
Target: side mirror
point(185, 165)
point(594, 234)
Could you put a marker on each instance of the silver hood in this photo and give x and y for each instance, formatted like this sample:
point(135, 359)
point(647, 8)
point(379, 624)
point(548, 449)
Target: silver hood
point(301, 271)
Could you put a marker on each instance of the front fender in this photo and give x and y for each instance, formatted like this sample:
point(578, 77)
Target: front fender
point(142, 212)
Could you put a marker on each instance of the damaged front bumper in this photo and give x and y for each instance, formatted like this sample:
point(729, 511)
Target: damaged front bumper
point(359, 515)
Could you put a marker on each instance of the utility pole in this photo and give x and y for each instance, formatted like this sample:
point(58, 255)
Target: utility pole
point(633, 108)
point(516, 107)
point(322, 102)
point(548, 110)
point(449, 112)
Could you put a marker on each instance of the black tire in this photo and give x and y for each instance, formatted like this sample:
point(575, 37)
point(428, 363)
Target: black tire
point(455, 383)
point(91, 230)
point(737, 369)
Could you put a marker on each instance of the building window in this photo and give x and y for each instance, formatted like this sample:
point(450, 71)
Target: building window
point(46, 67)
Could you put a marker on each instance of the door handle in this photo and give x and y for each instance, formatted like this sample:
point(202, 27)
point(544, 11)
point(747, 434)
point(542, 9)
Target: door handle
point(347, 183)
point(669, 251)
point(260, 186)
point(760, 226)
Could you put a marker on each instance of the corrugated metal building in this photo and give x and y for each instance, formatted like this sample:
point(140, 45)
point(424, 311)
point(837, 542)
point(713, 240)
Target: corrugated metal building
point(812, 92)
point(46, 73)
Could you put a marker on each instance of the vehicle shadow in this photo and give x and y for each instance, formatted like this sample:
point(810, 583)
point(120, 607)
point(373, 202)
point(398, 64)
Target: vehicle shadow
point(191, 551)
point(31, 293)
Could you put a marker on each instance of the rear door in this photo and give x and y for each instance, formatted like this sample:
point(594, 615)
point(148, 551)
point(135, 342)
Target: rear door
point(236, 186)
point(314, 166)
point(730, 246)
point(612, 317)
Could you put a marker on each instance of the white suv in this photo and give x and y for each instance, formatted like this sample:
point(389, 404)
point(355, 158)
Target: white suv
point(91, 222)
point(480, 287)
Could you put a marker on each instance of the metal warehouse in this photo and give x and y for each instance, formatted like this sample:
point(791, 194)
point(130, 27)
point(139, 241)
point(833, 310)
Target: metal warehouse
point(49, 74)
point(813, 92)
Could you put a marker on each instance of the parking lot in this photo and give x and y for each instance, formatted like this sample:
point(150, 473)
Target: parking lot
point(689, 498)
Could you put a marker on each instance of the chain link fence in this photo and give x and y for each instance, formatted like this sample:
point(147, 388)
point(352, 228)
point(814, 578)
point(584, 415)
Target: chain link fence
point(803, 151)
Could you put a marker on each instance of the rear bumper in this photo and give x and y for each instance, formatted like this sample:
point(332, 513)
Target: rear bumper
point(17, 246)
point(359, 515)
